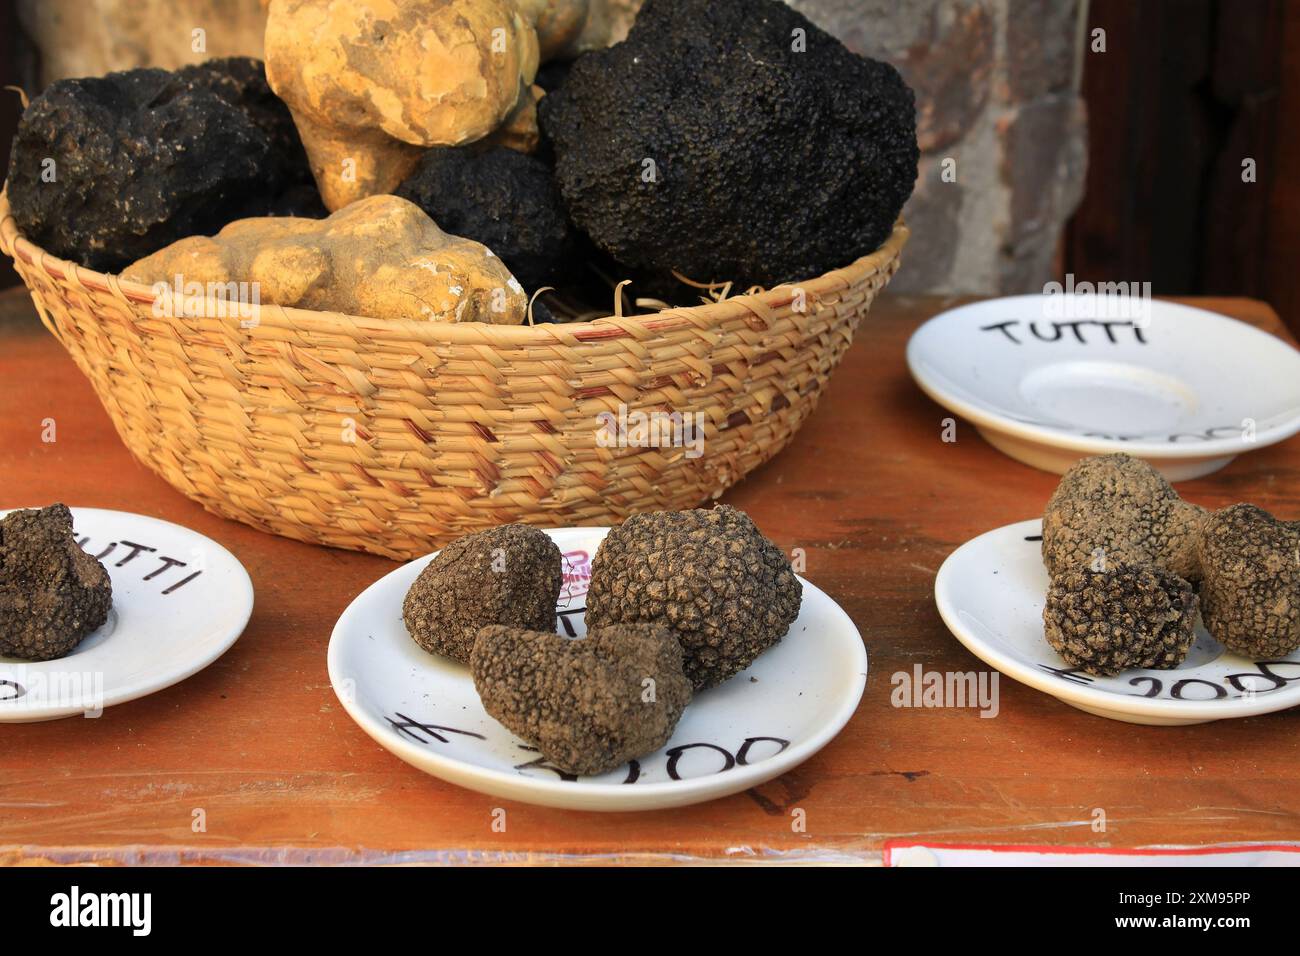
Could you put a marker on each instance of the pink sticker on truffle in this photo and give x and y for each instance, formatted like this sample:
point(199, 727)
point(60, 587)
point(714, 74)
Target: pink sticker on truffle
point(577, 575)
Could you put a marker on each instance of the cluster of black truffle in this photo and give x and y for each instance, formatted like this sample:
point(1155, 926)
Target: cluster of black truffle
point(678, 602)
point(52, 593)
point(723, 140)
point(1132, 564)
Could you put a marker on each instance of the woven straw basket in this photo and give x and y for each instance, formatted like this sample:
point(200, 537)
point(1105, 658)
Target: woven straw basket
point(394, 437)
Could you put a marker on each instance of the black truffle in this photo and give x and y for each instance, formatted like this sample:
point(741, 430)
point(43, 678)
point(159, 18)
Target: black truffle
point(1117, 509)
point(1250, 592)
point(145, 157)
point(1126, 616)
point(52, 594)
point(726, 591)
point(732, 140)
point(589, 704)
point(508, 575)
point(503, 199)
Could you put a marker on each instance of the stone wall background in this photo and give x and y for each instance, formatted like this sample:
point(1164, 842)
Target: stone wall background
point(1002, 126)
point(999, 107)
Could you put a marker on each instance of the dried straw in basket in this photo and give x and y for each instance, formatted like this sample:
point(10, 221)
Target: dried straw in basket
point(394, 437)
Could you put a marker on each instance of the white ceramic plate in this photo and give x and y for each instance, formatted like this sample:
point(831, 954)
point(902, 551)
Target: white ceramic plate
point(1182, 388)
point(991, 593)
point(179, 601)
point(759, 724)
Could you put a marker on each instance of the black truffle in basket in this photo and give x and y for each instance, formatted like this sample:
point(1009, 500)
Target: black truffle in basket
point(502, 198)
point(1250, 593)
point(52, 593)
point(732, 140)
point(109, 169)
point(726, 591)
point(1126, 616)
point(508, 575)
point(589, 704)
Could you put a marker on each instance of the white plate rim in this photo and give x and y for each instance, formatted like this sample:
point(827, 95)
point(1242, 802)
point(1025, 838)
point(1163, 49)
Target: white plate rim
point(988, 418)
point(1091, 697)
point(142, 687)
point(618, 796)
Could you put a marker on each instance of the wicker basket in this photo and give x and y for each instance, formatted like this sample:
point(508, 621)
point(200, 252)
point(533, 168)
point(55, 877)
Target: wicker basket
point(394, 437)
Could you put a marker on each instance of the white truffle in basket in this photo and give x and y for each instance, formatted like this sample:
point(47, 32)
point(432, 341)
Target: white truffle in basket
point(380, 257)
point(371, 83)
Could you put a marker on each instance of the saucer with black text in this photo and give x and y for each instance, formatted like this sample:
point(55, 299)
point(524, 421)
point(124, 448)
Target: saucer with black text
point(764, 721)
point(991, 593)
point(1049, 379)
point(180, 600)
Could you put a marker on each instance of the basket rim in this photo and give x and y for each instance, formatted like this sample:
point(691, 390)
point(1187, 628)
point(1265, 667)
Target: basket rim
point(133, 294)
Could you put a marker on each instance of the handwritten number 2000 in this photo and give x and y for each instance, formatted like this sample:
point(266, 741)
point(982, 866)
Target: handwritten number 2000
point(1238, 682)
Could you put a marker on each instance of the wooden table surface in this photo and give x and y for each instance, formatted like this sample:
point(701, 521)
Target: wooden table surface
point(259, 742)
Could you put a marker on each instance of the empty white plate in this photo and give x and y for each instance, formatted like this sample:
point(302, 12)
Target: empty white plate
point(761, 723)
point(991, 593)
point(1050, 379)
point(180, 600)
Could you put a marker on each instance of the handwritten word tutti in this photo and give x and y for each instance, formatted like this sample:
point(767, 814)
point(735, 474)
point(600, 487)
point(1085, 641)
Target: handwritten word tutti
point(1082, 331)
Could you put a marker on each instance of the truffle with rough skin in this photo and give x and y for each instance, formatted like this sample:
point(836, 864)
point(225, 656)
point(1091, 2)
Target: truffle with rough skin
point(1105, 622)
point(509, 575)
point(108, 169)
point(726, 591)
point(589, 704)
point(371, 83)
point(503, 199)
point(1250, 592)
point(1114, 509)
point(380, 257)
point(732, 140)
point(52, 593)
